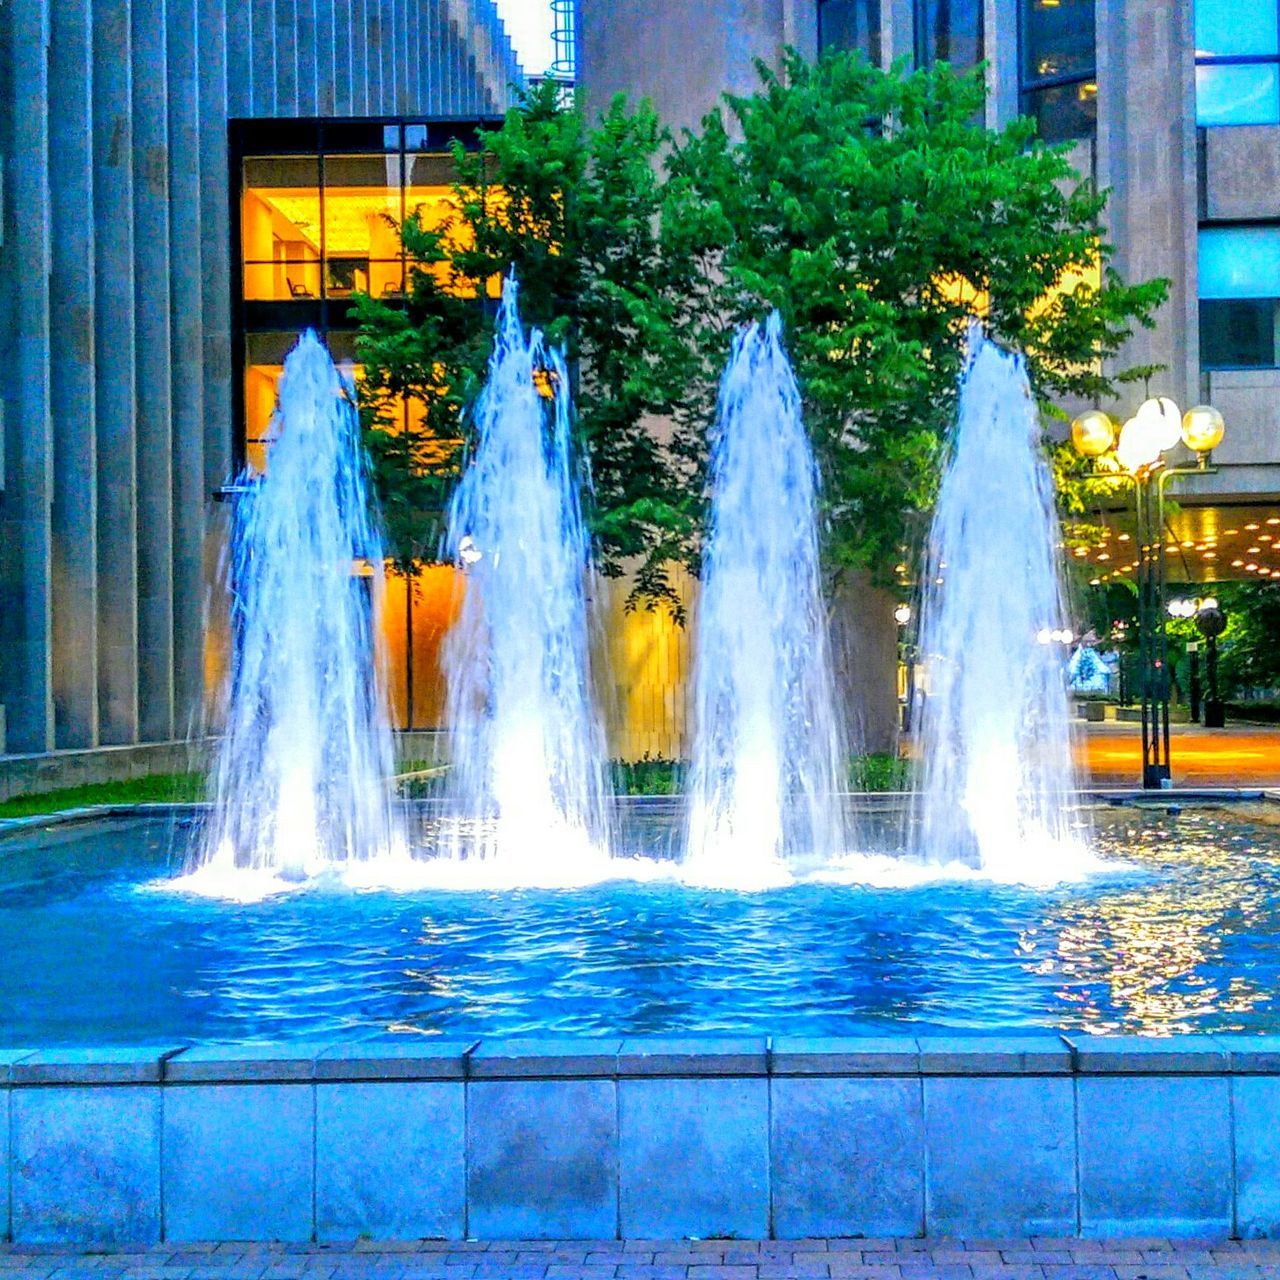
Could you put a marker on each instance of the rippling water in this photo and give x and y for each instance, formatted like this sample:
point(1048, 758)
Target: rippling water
point(1184, 940)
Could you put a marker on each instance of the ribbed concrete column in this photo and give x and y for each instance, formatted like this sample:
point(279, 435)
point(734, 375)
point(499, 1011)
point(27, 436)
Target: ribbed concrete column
point(412, 55)
point(151, 321)
point(360, 55)
point(287, 57)
point(238, 46)
point(71, 377)
point(215, 237)
point(24, 599)
point(308, 56)
point(374, 29)
point(431, 55)
point(186, 359)
point(402, 53)
point(114, 373)
point(261, 52)
point(333, 84)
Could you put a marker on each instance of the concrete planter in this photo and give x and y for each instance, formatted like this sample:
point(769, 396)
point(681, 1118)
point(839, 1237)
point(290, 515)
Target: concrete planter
point(670, 1136)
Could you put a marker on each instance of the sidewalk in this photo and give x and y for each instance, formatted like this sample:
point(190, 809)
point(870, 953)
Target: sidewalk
point(1237, 756)
point(1021, 1259)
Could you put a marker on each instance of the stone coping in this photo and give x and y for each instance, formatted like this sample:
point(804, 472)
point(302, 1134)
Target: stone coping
point(615, 1057)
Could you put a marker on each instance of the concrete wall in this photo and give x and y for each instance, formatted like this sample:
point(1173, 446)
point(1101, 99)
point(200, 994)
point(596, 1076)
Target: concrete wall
point(115, 266)
point(685, 56)
point(651, 1138)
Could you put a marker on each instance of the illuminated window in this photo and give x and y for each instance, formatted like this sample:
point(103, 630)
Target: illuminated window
point(949, 31)
point(1059, 67)
point(850, 24)
point(320, 205)
point(1237, 62)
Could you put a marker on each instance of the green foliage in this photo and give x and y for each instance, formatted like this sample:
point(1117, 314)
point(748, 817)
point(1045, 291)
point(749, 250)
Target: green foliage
point(875, 216)
point(879, 771)
point(650, 776)
point(866, 206)
point(1249, 648)
point(575, 211)
point(157, 788)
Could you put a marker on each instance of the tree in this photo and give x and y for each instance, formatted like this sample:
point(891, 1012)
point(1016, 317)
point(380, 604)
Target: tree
point(876, 216)
point(575, 212)
point(866, 206)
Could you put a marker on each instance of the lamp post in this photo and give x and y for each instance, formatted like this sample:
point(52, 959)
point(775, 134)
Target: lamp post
point(902, 616)
point(1211, 621)
point(1188, 609)
point(1135, 453)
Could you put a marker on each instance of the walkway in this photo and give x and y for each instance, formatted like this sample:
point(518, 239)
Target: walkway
point(1237, 756)
point(1034, 1259)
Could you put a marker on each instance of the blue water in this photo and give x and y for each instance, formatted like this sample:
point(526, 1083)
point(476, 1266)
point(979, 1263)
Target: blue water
point(92, 952)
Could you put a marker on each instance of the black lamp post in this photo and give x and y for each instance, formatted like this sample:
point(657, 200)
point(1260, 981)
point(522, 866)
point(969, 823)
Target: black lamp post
point(1134, 454)
point(1211, 621)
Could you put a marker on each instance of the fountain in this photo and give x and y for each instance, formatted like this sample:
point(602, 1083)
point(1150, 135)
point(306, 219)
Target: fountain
point(527, 788)
point(301, 782)
point(768, 759)
point(994, 729)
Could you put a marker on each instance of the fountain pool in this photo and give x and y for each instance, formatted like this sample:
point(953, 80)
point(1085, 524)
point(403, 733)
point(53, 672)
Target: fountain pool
point(98, 946)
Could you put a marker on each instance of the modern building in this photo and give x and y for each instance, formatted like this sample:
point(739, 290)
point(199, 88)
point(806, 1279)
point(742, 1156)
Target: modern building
point(187, 184)
point(1174, 106)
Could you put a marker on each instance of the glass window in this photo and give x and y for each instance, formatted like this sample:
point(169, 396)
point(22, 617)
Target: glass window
point(1237, 62)
point(280, 227)
point(850, 24)
point(1057, 40)
point(1239, 333)
point(949, 31)
point(363, 209)
point(1236, 28)
point(1064, 111)
point(1246, 93)
point(1239, 309)
point(1059, 60)
point(1239, 262)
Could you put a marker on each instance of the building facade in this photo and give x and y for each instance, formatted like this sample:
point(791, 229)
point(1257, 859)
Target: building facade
point(187, 184)
point(1172, 104)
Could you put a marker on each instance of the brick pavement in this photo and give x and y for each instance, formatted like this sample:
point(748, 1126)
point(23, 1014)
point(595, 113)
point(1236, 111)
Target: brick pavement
point(1024, 1259)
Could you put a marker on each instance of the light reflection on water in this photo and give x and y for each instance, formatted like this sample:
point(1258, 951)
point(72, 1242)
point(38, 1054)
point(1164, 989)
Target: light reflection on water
point(1183, 941)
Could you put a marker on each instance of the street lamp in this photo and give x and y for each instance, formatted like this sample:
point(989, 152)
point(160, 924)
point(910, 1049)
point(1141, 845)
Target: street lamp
point(1135, 452)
